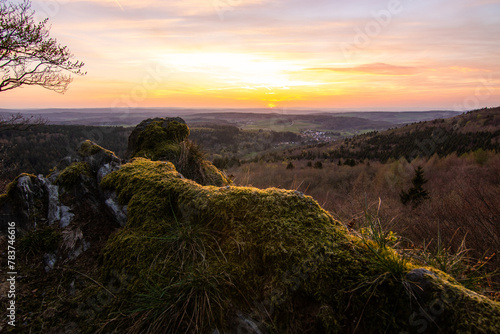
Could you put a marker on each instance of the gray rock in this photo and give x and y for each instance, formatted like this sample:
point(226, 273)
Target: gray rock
point(26, 204)
point(53, 207)
point(78, 250)
point(50, 260)
point(245, 325)
point(420, 280)
point(118, 211)
point(66, 216)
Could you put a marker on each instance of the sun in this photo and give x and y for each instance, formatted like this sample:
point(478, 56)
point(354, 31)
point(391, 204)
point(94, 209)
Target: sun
point(271, 105)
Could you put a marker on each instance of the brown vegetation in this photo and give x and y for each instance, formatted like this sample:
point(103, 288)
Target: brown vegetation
point(464, 197)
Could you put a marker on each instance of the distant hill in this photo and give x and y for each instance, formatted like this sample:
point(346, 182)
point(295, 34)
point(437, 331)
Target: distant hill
point(291, 120)
point(479, 129)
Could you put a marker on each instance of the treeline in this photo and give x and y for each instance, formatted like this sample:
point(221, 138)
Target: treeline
point(386, 146)
point(227, 145)
point(40, 148)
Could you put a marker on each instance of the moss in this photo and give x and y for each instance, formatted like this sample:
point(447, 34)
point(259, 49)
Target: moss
point(222, 236)
point(456, 309)
point(88, 148)
point(72, 174)
point(198, 253)
point(3, 199)
point(169, 143)
point(212, 175)
point(177, 131)
point(162, 151)
point(45, 239)
point(11, 186)
point(161, 143)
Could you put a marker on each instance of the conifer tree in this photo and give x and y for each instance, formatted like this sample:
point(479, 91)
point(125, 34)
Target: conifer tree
point(416, 194)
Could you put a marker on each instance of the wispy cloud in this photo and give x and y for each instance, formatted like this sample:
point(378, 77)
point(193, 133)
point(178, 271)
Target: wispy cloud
point(376, 68)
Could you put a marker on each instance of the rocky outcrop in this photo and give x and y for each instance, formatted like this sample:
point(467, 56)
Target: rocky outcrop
point(66, 202)
point(165, 139)
point(62, 222)
point(136, 138)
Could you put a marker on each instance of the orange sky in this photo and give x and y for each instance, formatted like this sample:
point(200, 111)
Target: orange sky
point(364, 55)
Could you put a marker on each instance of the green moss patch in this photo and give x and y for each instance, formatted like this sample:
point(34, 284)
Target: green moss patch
point(88, 148)
point(167, 141)
point(214, 247)
point(157, 142)
point(45, 239)
point(72, 174)
point(10, 187)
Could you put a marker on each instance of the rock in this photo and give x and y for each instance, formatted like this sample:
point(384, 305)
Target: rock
point(69, 198)
point(53, 207)
point(24, 203)
point(242, 324)
point(50, 261)
point(421, 278)
point(165, 139)
point(134, 140)
point(119, 211)
point(65, 217)
point(98, 157)
point(245, 325)
point(173, 253)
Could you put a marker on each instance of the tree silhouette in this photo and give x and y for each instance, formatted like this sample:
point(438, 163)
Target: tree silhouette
point(416, 194)
point(20, 122)
point(28, 56)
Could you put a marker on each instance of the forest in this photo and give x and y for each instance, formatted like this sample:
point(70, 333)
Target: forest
point(40, 148)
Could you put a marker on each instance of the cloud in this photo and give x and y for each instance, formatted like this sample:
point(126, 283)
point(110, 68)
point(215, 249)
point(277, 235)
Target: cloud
point(375, 68)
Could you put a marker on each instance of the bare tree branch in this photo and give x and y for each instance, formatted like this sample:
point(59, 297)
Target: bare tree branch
point(28, 56)
point(20, 122)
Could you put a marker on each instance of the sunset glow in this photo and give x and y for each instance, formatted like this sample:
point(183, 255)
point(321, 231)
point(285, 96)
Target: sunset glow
point(366, 55)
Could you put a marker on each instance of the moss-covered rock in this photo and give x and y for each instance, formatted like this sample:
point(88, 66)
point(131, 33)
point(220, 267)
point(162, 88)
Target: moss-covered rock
point(24, 202)
point(89, 148)
point(72, 175)
point(201, 256)
point(165, 139)
point(196, 255)
point(161, 129)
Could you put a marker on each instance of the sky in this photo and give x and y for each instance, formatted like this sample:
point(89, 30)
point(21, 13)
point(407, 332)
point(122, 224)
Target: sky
point(275, 54)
